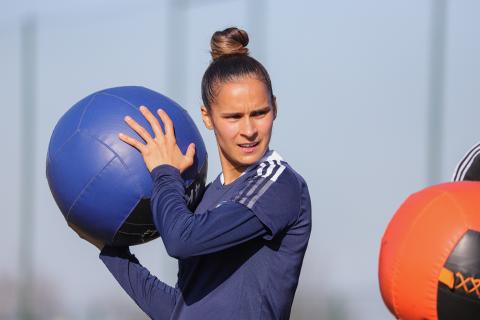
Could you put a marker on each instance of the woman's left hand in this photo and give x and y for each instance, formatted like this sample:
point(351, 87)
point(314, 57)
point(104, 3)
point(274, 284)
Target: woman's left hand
point(161, 149)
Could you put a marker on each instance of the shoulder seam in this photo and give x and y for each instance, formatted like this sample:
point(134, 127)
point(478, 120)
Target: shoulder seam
point(301, 184)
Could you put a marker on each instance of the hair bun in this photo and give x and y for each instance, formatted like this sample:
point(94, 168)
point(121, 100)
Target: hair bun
point(228, 42)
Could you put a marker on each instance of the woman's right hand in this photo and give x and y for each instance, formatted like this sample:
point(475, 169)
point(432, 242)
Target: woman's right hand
point(85, 236)
point(163, 147)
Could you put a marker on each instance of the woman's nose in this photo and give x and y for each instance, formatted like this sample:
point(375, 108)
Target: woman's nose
point(249, 128)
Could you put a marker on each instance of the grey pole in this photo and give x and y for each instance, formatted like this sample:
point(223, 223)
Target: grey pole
point(176, 49)
point(436, 91)
point(27, 174)
point(257, 22)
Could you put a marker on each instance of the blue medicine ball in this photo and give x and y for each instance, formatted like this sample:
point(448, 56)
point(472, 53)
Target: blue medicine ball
point(100, 183)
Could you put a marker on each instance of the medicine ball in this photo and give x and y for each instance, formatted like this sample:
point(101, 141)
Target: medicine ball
point(429, 265)
point(100, 183)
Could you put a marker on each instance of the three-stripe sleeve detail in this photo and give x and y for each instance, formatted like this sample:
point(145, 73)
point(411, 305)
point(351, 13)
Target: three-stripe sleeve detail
point(266, 174)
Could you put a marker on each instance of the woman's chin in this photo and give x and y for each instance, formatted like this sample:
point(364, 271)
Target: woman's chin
point(248, 158)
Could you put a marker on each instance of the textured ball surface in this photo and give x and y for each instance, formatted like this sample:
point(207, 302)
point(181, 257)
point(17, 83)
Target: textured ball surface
point(429, 264)
point(100, 183)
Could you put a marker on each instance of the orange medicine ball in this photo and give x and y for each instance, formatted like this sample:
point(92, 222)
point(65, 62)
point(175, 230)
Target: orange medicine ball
point(429, 265)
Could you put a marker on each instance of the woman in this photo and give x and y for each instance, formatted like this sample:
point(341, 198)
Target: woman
point(241, 253)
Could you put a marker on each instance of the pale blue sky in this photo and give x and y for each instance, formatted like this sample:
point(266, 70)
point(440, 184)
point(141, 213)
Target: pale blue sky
point(351, 79)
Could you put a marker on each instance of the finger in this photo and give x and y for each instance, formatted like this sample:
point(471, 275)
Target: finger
point(167, 122)
point(141, 131)
point(157, 129)
point(190, 154)
point(133, 142)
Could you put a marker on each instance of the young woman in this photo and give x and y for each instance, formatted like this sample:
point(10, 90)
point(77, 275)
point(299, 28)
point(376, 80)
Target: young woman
point(241, 252)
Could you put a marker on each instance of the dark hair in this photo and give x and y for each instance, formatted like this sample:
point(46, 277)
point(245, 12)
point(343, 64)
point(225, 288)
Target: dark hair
point(230, 60)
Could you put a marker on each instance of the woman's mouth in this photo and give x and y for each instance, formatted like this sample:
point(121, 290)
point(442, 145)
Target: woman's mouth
point(249, 147)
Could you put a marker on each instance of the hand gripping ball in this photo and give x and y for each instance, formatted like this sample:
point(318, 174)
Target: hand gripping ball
point(100, 183)
point(430, 255)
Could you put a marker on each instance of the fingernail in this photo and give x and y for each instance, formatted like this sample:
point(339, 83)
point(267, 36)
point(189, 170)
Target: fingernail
point(127, 118)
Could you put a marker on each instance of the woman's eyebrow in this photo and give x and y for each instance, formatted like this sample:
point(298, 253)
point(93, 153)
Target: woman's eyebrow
point(261, 110)
point(231, 114)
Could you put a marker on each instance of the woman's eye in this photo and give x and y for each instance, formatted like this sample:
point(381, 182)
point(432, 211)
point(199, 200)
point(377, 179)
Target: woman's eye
point(260, 114)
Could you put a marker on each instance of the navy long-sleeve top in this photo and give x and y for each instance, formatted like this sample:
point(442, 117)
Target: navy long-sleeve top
point(239, 255)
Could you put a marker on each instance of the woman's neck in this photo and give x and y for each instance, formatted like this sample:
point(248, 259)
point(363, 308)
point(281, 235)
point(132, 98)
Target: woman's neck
point(231, 173)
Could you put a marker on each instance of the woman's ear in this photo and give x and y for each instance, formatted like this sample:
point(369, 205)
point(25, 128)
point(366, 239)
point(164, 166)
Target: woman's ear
point(206, 117)
point(274, 107)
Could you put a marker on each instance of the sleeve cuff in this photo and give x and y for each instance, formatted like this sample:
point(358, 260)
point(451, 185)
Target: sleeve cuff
point(122, 252)
point(165, 169)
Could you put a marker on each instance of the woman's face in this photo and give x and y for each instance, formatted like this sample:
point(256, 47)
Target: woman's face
point(242, 117)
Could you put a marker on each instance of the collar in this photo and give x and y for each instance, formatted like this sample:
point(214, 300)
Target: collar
point(269, 155)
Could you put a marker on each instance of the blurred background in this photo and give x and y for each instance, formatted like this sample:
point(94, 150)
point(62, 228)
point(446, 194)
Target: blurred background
point(377, 99)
